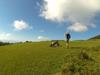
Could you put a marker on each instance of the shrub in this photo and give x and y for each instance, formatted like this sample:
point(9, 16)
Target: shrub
point(4, 43)
point(81, 64)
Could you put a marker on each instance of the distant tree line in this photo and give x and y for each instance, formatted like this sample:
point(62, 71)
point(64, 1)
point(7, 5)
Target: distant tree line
point(8, 43)
point(4, 43)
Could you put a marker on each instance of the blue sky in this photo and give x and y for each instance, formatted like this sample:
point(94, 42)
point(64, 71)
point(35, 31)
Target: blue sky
point(22, 20)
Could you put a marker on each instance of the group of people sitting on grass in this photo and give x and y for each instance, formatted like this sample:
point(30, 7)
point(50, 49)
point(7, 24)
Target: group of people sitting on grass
point(67, 40)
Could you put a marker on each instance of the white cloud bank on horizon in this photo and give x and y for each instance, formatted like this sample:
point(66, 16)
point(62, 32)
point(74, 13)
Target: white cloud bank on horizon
point(76, 11)
point(9, 37)
point(42, 38)
point(5, 36)
point(21, 25)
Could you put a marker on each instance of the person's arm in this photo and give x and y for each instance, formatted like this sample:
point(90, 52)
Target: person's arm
point(65, 36)
point(69, 36)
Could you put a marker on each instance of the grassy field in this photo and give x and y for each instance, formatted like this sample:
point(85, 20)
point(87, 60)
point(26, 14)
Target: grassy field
point(40, 59)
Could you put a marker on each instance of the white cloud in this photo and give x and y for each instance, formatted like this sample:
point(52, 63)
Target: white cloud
point(77, 27)
point(93, 25)
point(21, 25)
point(5, 36)
point(81, 11)
point(42, 31)
point(42, 38)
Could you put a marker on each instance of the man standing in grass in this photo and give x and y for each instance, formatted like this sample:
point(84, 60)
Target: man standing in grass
point(67, 38)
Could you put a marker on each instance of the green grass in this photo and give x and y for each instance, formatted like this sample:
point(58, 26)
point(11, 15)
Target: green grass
point(40, 59)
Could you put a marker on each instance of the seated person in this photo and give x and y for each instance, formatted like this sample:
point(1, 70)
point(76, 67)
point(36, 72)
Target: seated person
point(54, 44)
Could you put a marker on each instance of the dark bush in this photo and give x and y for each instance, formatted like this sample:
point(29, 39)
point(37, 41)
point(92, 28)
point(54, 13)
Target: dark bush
point(4, 43)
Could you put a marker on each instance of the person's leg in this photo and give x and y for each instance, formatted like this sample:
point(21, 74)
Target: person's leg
point(67, 44)
point(58, 43)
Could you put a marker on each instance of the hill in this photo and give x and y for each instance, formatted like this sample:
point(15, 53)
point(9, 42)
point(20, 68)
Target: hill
point(40, 59)
point(95, 37)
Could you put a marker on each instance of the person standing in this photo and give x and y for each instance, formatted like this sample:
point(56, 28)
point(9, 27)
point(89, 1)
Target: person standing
point(67, 39)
